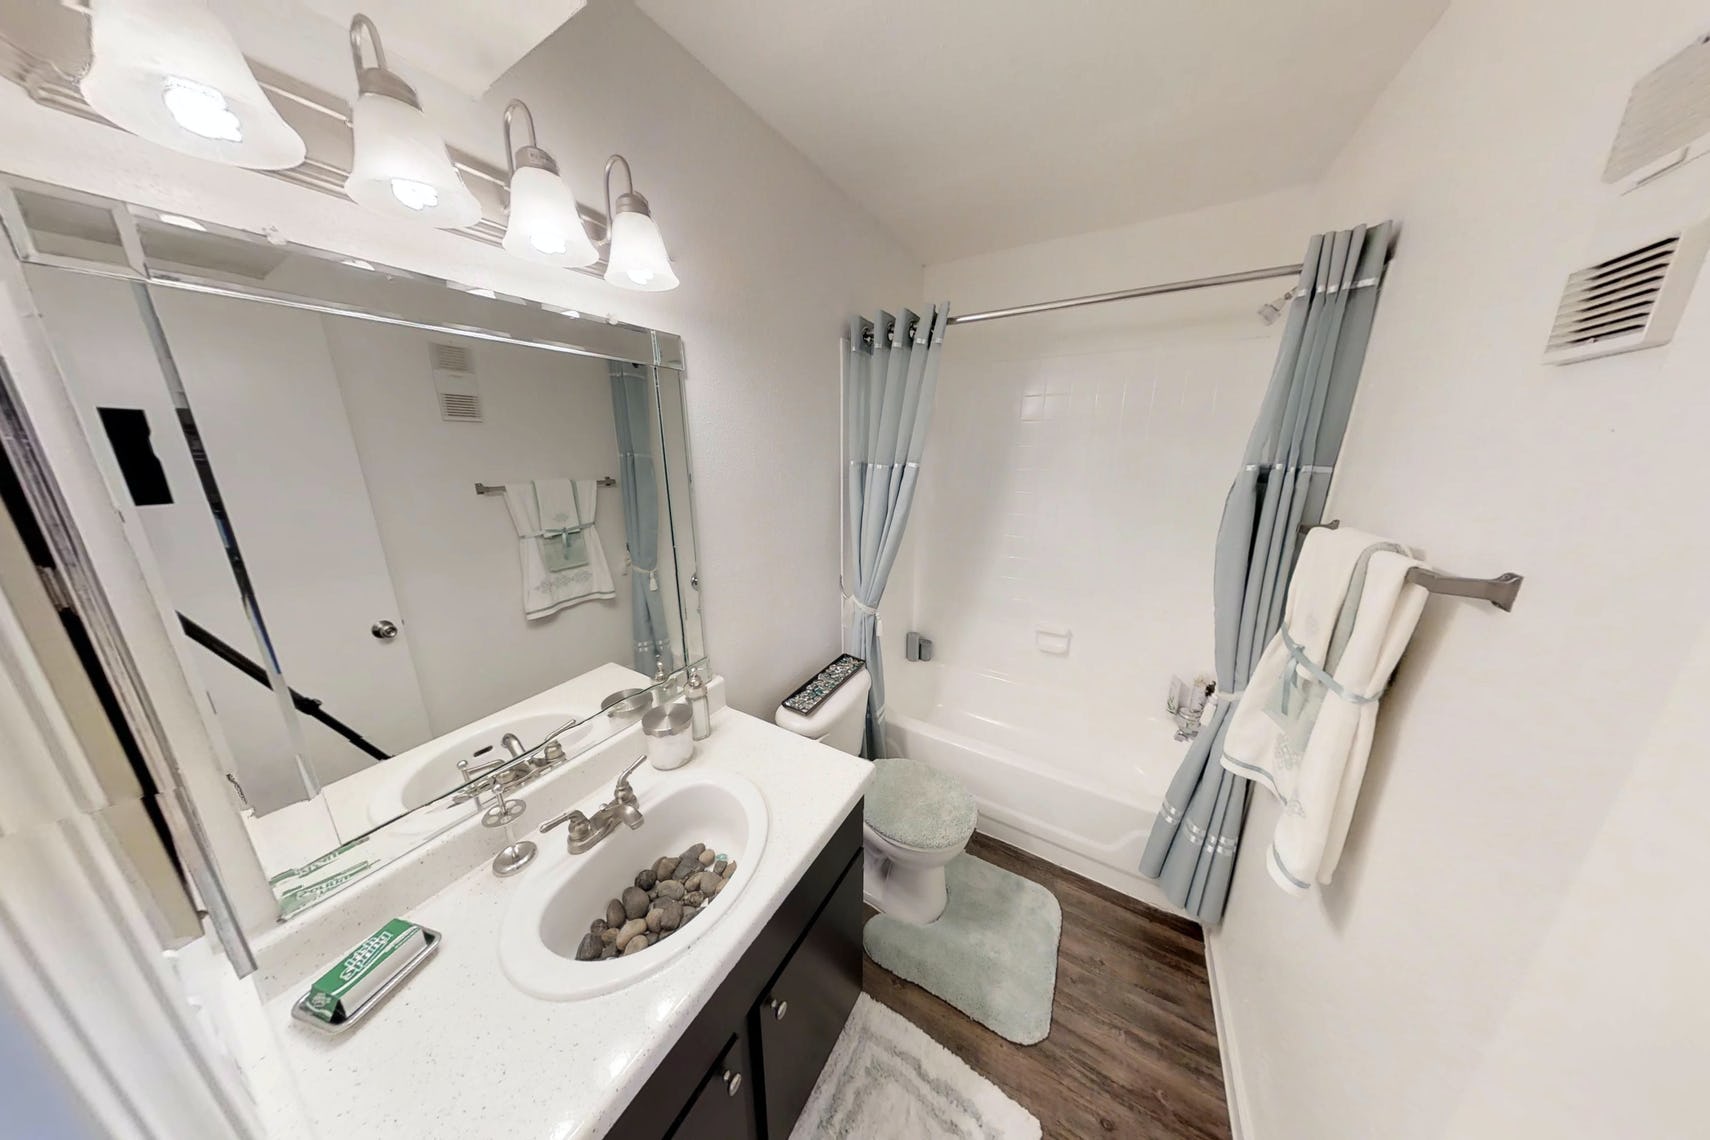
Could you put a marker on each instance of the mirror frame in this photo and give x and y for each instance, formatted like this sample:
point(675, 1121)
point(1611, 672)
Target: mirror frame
point(438, 305)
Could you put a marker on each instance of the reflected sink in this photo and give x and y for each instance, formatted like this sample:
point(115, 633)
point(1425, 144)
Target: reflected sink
point(425, 773)
point(552, 910)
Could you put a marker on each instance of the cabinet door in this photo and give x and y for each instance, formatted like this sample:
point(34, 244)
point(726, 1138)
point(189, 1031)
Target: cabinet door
point(803, 1011)
point(723, 1108)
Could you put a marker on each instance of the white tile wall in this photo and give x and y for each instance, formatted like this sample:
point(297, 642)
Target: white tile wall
point(1082, 489)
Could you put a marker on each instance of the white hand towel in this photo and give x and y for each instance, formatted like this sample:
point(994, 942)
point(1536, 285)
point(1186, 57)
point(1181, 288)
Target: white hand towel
point(1304, 727)
point(547, 591)
point(556, 501)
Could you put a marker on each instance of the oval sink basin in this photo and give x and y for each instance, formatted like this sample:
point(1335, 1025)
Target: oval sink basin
point(423, 774)
point(552, 910)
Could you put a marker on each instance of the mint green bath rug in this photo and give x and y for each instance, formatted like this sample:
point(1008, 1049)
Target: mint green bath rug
point(992, 955)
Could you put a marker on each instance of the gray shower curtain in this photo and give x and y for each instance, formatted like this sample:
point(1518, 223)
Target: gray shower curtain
point(890, 374)
point(1282, 486)
point(632, 409)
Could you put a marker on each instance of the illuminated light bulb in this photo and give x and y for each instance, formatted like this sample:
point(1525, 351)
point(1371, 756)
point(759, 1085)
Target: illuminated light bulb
point(415, 195)
point(201, 110)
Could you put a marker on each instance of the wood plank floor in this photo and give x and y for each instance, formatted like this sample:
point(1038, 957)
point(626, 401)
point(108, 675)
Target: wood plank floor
point(1133, 1049)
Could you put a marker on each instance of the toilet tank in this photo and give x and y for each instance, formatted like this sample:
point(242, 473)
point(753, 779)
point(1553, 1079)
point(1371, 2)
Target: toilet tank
point(838, 721)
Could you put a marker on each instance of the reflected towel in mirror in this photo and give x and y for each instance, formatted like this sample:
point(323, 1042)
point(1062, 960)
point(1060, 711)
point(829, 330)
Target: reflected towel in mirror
point(558, 514)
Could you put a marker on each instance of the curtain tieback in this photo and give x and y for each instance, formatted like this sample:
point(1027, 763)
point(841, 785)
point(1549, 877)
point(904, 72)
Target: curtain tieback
point(652, 573)
point(1317, 673)
point(860, 605)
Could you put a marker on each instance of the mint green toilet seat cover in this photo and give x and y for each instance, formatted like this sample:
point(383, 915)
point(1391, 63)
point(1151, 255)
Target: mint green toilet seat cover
point(918, 806)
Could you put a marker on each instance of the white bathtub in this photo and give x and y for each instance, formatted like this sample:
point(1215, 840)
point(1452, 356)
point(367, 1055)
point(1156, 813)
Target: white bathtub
point(1071, 776)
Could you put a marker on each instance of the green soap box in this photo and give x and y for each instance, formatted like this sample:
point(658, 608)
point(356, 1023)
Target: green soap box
point(340, 993)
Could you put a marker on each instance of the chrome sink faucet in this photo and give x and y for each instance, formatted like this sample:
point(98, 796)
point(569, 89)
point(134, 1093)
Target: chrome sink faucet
point(585, 832)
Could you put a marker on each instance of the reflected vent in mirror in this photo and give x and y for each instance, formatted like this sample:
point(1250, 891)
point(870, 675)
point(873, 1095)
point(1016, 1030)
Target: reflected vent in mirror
point(1667, 120)
point(454, 382)
point(1630, 301)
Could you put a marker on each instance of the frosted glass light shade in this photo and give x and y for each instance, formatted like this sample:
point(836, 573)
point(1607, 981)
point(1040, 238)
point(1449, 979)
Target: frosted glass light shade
point(638, 259)
point(545, 224)
point(169, 71)
point(401, 167)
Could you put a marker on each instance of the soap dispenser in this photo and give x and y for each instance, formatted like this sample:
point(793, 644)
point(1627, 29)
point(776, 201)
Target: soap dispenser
point(700, 708)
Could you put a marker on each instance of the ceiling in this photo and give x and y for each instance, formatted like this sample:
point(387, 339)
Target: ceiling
point(972, 125)
point(466, 43)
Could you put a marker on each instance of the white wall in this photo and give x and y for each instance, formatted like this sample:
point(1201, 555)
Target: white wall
point(1510, 945)
point(773, 260)
point(453, 553)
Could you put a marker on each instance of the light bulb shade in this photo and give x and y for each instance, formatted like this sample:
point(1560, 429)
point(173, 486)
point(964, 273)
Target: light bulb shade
point(545, 223)
point(638, 259)
point(169, 71)
point(401, 166)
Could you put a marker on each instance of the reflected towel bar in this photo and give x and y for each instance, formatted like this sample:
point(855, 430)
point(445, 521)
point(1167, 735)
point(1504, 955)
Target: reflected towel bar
point(1499, 591)
point(498, 489)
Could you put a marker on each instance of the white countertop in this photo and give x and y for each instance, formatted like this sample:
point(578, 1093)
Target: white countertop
point(459, 1052)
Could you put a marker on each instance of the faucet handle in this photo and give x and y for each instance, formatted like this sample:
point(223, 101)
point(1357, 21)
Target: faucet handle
point(623, 791)
point(580, 828)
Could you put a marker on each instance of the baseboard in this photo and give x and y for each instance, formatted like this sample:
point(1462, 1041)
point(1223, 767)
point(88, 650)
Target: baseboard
point(1131, 884)
point(1234, 1087)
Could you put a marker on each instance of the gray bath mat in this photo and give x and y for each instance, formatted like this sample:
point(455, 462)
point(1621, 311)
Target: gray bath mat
point(993, 954)
point(887, 1080)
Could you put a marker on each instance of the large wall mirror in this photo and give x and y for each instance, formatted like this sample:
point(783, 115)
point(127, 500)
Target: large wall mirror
point(405, 531)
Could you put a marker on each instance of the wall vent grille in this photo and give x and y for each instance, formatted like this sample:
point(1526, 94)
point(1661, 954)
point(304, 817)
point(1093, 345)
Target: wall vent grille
point(1666, 120)
point(455, 385)
point(1629, 301)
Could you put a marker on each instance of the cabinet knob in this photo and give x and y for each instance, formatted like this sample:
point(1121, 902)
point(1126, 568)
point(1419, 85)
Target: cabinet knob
point(732, 1082)
point(780, 1008)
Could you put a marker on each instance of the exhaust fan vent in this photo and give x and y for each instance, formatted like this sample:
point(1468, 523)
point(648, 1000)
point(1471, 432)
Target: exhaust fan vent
point(1630, 301)
point(1667, 119)
point(454, 383)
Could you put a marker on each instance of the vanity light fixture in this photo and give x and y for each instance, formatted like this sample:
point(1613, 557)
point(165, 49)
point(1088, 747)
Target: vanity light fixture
point(545, 219)
point(170, 72)
point(400, 166)
point(637, 259)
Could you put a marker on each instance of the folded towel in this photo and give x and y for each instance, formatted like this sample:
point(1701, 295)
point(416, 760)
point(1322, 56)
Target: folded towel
point(555, 502)
point(563, 564)
point(1304, 726)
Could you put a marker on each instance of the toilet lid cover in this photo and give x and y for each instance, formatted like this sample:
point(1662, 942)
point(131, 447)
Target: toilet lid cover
point(918, 806)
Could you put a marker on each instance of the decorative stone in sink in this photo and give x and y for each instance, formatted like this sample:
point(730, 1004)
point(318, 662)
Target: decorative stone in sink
point(566, 905)
point(665, 896)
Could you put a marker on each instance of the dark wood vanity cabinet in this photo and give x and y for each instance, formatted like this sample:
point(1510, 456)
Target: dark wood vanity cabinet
point(724, 1104)
point(745, 1066)
point(803, 1010)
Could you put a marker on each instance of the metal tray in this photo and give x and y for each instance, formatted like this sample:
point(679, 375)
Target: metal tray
point(300, 1011)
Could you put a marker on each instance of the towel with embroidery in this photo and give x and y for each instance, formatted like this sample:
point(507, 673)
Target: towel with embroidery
point(1304, 726)
point(558, 546)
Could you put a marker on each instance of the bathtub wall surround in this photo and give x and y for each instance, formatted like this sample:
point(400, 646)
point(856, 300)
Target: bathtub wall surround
point(1064, 531)
point(299, 498)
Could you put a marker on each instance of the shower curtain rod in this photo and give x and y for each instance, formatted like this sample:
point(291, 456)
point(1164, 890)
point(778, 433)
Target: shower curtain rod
point(1129, 294)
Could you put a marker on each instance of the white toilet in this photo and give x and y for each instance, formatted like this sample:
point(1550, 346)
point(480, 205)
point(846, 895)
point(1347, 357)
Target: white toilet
point(917, 819)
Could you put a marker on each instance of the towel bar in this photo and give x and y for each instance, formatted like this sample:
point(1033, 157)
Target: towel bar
point(498, 489)
point(1499, 591)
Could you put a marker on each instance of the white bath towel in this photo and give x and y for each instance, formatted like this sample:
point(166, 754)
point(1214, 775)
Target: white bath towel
point(1304, 726)
point(570, 507)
